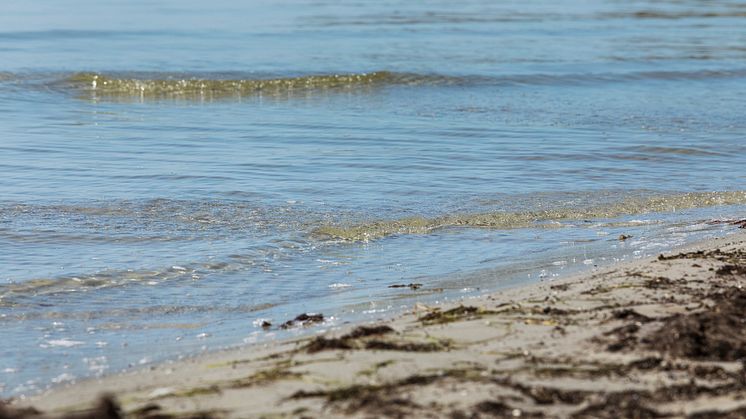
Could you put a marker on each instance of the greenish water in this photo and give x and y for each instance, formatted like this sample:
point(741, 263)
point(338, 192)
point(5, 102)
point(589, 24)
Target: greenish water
point(173, 174)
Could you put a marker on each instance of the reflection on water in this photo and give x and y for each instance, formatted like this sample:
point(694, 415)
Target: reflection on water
point(173, 174)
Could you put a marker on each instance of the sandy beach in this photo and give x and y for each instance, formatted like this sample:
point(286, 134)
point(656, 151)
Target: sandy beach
point(660, 337)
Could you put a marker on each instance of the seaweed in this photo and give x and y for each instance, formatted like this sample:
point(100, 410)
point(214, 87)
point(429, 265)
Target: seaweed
point(277, 373)
point(700, 254)
point(626, 337)
point(154, 411)
point(356, 340)
point(493, 408)
point(360, 395)
point(365, 331)
point(658, 283)
point(106, 408)
point(546, 395)
point(501, 410)
point(148, 411)
point(407, 346)
point(381, 399)
point(454, 314)
point(730, 269)
point(195, 391)
point(738, 223)
point(602, 289)
point(304, 319)
point(647, 363)
point(374, 369)
point(321, 343)
point(16, 413)
point(736, 256)
point(560, 287)
point(348, 341)
point(630, 314)
point(716, 334)
point(554, 368)
point(413, 286)
point(738, 413)
point(628, 404)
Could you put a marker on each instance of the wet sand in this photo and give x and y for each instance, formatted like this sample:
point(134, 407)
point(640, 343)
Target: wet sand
point(661, 337)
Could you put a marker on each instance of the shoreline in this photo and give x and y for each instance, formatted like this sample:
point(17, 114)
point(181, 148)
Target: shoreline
point(645, 338)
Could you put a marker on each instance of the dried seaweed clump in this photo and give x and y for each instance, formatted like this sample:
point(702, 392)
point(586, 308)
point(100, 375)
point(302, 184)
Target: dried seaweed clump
point(716, 334)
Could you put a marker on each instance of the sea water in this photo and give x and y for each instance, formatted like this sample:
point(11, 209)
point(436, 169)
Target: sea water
point(175, 173)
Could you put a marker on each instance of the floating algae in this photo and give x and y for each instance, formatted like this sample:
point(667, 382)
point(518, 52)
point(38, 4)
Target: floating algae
point(522, 219)
point(173, 86)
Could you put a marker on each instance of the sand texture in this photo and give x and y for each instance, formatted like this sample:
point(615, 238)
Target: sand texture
point(662, 337)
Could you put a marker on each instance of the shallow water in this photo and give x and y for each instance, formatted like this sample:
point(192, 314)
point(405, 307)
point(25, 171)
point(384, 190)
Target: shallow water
point(173, 174)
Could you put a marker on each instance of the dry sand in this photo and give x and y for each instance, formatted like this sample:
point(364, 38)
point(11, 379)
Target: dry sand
point(662, 337)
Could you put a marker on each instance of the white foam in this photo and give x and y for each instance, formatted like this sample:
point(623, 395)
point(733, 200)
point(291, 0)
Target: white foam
point(65, 343)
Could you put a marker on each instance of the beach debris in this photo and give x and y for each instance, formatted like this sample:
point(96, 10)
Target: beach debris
point(304, 320)
point(414, 286)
